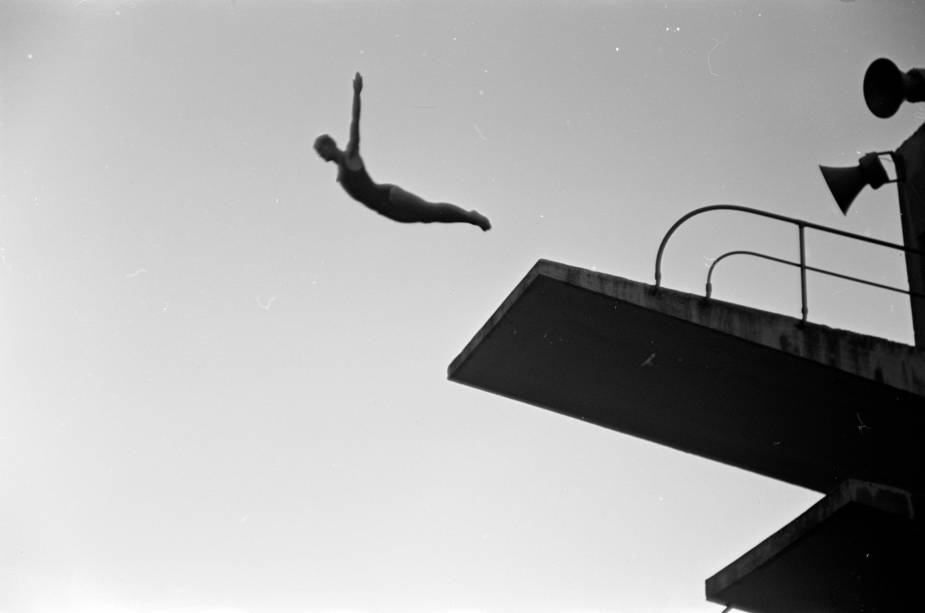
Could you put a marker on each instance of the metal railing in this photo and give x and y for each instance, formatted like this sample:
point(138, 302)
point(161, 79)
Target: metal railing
point(801, 225)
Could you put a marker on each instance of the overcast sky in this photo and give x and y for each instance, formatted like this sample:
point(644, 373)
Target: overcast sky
point(223, 382)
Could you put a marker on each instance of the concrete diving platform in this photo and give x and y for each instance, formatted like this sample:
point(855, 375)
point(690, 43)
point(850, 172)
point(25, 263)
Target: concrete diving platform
point(799, 402)
point(858, 550)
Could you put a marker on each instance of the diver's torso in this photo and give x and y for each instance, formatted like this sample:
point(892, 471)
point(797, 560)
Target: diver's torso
point(359, 185)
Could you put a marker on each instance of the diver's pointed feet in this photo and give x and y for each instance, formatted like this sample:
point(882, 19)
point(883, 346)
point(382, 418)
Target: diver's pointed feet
point(480, 220)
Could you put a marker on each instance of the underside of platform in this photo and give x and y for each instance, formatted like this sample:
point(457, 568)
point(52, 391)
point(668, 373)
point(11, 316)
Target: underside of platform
point(803, 403)
point(856, 550)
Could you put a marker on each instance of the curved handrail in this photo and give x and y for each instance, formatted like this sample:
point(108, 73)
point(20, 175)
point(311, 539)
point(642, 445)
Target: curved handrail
point(744, 209)
point(801, 224)
point(709, 288)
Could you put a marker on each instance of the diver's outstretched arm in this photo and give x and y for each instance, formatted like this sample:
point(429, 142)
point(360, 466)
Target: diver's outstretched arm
point(353, 146)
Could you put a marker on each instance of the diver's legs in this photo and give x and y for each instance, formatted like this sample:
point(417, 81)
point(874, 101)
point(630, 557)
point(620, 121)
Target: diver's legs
point(409, 208)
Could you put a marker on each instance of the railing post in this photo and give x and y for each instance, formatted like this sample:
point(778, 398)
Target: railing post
point(804, 308)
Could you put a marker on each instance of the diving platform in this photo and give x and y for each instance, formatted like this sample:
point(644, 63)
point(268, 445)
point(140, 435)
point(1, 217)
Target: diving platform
point(858, 549)
point(795, 401)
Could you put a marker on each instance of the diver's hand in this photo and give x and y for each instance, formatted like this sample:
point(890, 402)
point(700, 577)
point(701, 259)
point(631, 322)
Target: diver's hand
point(357, 83)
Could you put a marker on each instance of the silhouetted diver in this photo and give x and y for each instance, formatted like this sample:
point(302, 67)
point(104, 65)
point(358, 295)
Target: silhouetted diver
point(386, 199)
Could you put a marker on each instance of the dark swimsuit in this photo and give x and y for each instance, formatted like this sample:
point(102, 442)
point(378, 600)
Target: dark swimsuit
point(360, 187)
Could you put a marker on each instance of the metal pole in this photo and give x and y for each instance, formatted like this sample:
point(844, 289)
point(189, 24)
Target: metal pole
point(804, 308)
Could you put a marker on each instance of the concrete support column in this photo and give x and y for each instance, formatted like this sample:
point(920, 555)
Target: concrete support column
point(910, 160)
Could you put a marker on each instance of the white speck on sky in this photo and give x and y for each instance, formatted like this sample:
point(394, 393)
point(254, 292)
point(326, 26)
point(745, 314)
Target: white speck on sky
point(716, 44)
point(266, 304)
point(479, 131)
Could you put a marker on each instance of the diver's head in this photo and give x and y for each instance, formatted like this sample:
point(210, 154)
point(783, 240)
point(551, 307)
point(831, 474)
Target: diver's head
point(326, 147)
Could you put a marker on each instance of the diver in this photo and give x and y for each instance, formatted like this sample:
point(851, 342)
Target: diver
point(386, 199)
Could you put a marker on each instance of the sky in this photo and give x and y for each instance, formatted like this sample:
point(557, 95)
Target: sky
point(223, 382)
